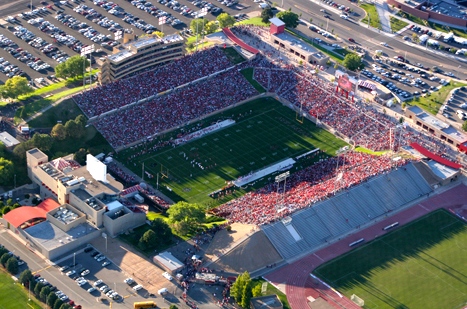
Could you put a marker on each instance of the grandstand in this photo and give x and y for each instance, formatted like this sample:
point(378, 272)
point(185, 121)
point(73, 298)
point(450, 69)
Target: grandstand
point(310, 228)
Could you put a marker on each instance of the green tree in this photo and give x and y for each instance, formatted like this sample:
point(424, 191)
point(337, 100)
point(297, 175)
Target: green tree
point(173, 307)
point(6, 210)
point(80, 156)
point(162, 230)
point(51, 299)
point(266, 14)
point(148, 240)
point(464, 126)
point(352, 62)
point(6, 171)
point(20, 150)
point(4, 259)
point(58, 132)
point(74, 129)
point(25, 276)
point(225, 20)
point(14, 87)
point(247, 293)
point(3, 250)
point(38, 288)
point(256, 291)
point(289, 18)
point(211, 27)
point(186, 217)
point(160, 34)
point(81, 120)
point(45, 291)
point(42, 141)
point(236, 290)
point(12, 265)
point(197, 25)
point(71, 68)
point(58, 303)
point(65, 306)
point(415, 37)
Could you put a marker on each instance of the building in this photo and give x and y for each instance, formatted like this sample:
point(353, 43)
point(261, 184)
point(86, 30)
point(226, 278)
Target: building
point(137, 55)
point(266, 302)
point(8, 140)
point(168, 262)
point(291, 45)
point(435, 126)
point(80, 204)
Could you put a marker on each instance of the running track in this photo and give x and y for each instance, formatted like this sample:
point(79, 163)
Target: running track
point(296, 276)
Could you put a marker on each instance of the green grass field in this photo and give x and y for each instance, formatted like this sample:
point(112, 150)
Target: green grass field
point(420, 265)
point(266, 132)
point(13, 295)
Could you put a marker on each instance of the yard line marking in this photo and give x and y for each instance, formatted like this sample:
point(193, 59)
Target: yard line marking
point(318, 257)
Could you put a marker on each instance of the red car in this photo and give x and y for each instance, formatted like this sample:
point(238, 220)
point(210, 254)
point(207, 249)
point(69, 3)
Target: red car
point(351, 40)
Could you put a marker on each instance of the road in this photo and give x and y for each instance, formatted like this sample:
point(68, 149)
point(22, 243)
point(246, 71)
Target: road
point(369, 38)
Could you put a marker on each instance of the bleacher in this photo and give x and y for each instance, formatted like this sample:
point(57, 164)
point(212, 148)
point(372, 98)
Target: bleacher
point(347, 210)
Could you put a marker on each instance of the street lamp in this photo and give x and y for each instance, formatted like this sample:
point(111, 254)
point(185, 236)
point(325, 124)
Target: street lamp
point(74, 259)
point(105, 236)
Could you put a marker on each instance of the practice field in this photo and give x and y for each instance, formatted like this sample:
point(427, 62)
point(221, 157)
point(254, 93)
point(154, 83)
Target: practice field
point(265, 132)
point(13, 295)
point(420, 265)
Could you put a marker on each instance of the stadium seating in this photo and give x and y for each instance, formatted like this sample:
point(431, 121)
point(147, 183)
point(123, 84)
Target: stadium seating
point(341, 214)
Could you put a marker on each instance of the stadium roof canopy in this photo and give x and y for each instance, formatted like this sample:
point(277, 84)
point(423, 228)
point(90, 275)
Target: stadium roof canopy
point(18, 216)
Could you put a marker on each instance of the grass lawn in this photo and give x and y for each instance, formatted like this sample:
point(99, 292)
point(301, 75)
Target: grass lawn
point(412, 18)
point(191, 44)
point(342, 51)
point(265, 132)
point(13, 295)
point(233, 55)
point(33, 107)
point(371, 12)
point(248, 73)
point(64, 111)
point(376, 153)
point(420, 265)
point(272, 290)
point(397, 24)
point(433, 101)
point(252, 21)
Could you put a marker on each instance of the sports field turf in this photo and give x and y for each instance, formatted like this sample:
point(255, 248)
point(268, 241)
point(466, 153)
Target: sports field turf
point(266, 132)
point(420, 265)
point(12, 295)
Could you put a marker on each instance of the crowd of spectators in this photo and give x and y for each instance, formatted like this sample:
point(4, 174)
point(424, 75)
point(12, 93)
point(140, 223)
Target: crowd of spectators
point(125, 91)
point(174, 109)
point(306, 187)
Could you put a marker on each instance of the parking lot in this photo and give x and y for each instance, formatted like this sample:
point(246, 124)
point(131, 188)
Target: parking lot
point(37, 40)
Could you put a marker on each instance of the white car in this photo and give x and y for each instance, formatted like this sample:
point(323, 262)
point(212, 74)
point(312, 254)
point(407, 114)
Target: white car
point(98, 282)
point(463, 105)
point(129, 281)
point(167, 276)
point(86, 272)
point(344, 16)
point(71, 273)
point(101, 259)
point(384, 44)
point(90, 290)
point(105, 263)
point(137, 287)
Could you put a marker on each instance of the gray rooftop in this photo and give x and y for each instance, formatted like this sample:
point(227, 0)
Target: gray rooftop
point(8, 140)
point(440, 170)
point(51, 237)
point(94, 187)
point(296, 43)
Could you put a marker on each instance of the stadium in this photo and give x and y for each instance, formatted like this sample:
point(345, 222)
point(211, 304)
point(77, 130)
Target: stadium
point(272, 145)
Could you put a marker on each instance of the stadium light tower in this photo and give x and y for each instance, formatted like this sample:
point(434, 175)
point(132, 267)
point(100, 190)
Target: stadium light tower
point(279, 179)
point(341, 151)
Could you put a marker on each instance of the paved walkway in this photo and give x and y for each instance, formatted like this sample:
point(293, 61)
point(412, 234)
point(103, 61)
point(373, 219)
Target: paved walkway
point(384, 16)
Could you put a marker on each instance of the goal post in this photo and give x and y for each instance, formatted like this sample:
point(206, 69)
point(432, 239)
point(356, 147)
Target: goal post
point(357, 300)
point(299, 114)
point(164, 172)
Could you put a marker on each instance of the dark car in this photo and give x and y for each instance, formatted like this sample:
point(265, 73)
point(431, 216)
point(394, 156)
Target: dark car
point(88, 249)
point(351, 40)
point(94, 253)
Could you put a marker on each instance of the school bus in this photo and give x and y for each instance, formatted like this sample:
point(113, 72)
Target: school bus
point(144, 304)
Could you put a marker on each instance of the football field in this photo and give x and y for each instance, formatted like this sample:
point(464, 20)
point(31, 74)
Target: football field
point(420, 265)
point(265, 132)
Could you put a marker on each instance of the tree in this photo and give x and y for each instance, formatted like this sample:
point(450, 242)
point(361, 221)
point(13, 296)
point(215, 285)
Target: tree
point(38, 288)
point(20, 149)
point(58, 303)
point(148, 240)
point(197, 25)
point(12, 265)
point(415, 37)
point(80, 156)
point(4, 259)
point(464, 126)
point(185, 216)
point(14, 87)
point(81, 120)
point(3, 250)
point(159, 34)
point(256, 291)
point(51, 299)
point(247, 293)
point(73, 129)
point(6, 210)
point(25, 276)
point(289, 18)
point(65, 306)
point(173, 307)
point(6, 171)
point(241, 290)
point(45, 291)
point(211, 27)
point(42, 141)
point(162, 230)
point(352, 62)
point(266, 14)
point(58, 132)
point(225, 20)
point(73, 67)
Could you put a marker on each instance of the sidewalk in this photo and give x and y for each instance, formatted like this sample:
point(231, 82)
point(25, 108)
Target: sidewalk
point(384, 16)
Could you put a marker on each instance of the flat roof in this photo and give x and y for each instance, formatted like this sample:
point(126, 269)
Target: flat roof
point(169, 261)
point(52, 237)
point(8, 139)
point(277, 22)
point(36, 153)
point(94, 187)
point(440, 170)
point(293, 41)
point(455, 134)
point(433, 121)
point(114, 205)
